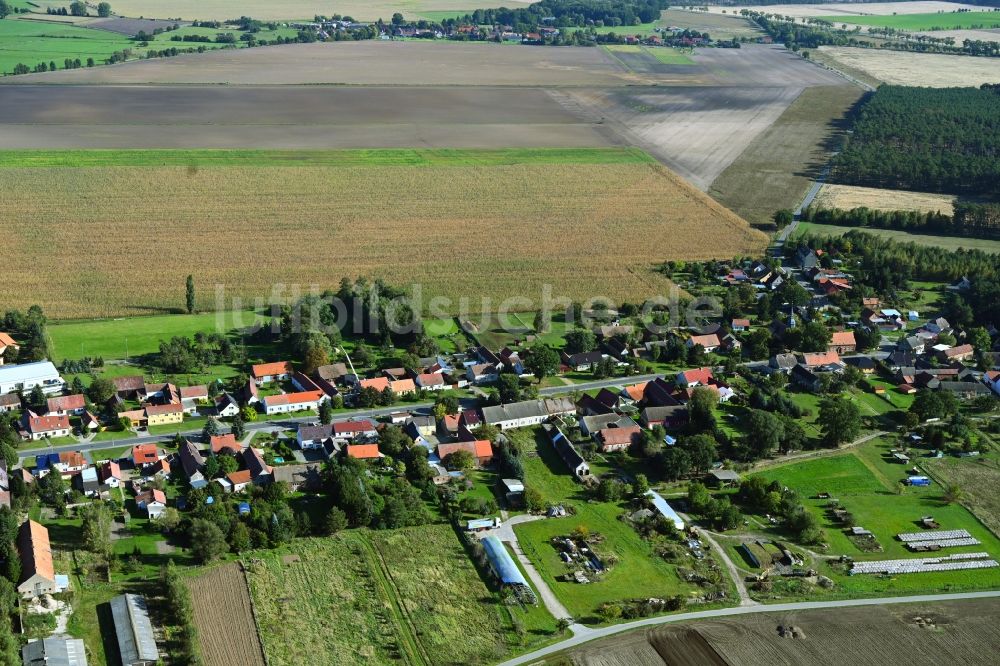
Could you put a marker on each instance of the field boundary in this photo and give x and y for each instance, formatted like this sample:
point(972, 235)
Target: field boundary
point(253, 611)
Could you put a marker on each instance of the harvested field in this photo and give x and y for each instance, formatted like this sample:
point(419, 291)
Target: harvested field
point(854, 8)
point(311, 217)
point(361, 10)
point(961, 35)
point(903, 68)
point(979, 480)
point(227, 633)
point(777, 168)
point(288, 117)
point(847, 197)
point(718, 26)
point(375, 62)
point(696, 135)
point(131, 26)
point(919, 633)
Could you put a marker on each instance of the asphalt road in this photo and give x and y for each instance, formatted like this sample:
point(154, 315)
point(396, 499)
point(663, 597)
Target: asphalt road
point(603, 632)
point(288, 423)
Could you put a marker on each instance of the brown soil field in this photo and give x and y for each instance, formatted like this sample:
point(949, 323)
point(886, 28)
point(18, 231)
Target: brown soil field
point(717, 25)
point(961, 632)
point(776, 170)
point(850, 196)
point(223, 615)
point(696, 135)
point(436, 63)
point(933, 70)
point(288, 117)
point(362, 10)
point(114, 240)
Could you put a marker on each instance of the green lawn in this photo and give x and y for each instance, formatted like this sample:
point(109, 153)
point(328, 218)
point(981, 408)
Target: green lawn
point(946, 242)
point(639, 572)
point(445, 332)
point(935, 21)
point(335, 158)
point(135, 336)
point(111, 453)
point(32, 42)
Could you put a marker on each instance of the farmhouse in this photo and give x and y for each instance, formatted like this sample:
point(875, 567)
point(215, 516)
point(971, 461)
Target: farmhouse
point(332, 373)
point(709, 342)
point(959, 353)
point(265, 373)
point(351, 430)
point(40, 427)
point(129, 386)
point(617, 439)
point(67, 404)
point(9, 402)
point(699, 377)
point(224, 444)
point(134, 631)
point(842, 342)
point(54, 651)
point(192, 463)
point(38, 576)
point(27, 376)
point(526, 413)
point(481, 450)
point(668, 416)
point(292, 402)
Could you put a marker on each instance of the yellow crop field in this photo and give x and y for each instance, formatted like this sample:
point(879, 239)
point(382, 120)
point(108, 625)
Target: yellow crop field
point(847, 197)
point(91, 240)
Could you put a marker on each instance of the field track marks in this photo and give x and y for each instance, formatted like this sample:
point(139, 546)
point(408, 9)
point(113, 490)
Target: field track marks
point(410, 644)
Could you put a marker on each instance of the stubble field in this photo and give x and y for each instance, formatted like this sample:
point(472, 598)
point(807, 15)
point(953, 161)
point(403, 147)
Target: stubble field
point(931, 70)
point(361, 10)
point(847, 197)
point(227, 633)
point(854, 8)
point(115, 233)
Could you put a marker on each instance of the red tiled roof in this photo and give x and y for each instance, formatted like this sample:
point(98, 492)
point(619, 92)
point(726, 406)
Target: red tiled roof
point(48, 423)
point(66, 403)
point(842, 338)
point(700, 375)
point(157, 410)
point(377, 383)
point(220, 443)
point(363, 451)
point(188, 392)
point(271, 369)
point(706, 341)
point(6, 340)
point(636, 391)
point(403, 386)
point(618, 436)
point(821, 358)
point(242, 476)
point(344, 427)
point(745, 323)
point(72, 459)
point(293, 398)
point(36, 553)
point(143, 454)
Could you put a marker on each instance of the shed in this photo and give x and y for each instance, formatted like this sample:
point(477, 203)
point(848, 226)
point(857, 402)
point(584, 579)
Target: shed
point(724, 477)
point(502, 564)
point(134, 631)
point(665, 509)
point(54, 651)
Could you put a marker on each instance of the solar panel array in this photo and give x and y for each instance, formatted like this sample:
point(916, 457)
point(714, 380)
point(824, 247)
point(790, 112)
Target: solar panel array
point(959, 561)
point(907, 537)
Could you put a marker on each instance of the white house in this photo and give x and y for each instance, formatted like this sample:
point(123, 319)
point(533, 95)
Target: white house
point(40, 427)
point(526, 413)
point(292, 402)
point(26, 376)
point(153, 502)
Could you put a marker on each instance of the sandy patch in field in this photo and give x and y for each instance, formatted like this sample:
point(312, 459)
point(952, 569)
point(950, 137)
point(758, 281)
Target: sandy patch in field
point(847, 197)
point(918, 69)
point(853, 8)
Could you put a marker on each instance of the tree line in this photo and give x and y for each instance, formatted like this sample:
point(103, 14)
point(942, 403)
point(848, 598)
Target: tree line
point(570, 13)
point(970, 220)
point(924, 139)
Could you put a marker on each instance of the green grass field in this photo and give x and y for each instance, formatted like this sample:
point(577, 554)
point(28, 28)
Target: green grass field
point(337, 158)
point(134, 336)
point(639, 572)
point(937, 21)
point(946, 242)
point(32, 42)
point(868, 485)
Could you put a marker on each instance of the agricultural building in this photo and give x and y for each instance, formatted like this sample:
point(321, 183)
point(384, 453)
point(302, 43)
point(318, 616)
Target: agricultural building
point(54, 651)
point(26, 376)
point(38, 576)
point(134, 631)
point(665, 509)
point(504, 567)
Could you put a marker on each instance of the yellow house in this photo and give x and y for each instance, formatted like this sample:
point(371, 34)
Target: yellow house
point(164, 414)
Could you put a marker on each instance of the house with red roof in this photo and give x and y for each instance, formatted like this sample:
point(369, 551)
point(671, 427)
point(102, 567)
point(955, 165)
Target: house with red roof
point(153, 502)
point(42, 427)
point(240, 480)
point(110, 473)
point(363, 451)
point(265, 373)
point(842, 342)
point(348, 431)
point(481, 450)
point(67, 404)
point(697, 377)
point(617, 439)
point(285, 403)
point(709, 342)
point(144, 454)
point(224, 444)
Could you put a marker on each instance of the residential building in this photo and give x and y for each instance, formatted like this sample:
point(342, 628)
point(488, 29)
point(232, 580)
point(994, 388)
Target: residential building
point(265, 373)
point(698, 377)
point(65, 405)
point(9, 402)
point(992, 379)
point(153, 502)
point(805, 378)
point(192, 397)
point(709, 342)
point(239, 480)
point(144, 454)
point(959, 353)
point(740, 325)
point(38, 576)
point(842, 342)
point(25, 377)
point(129, 386)
point(299, 477)
point(668, 416)
point(360, 429)
point(582, 361)
point(41, 427)
point(617, 439)
point(226, 406)
point(822, 361)
point(783, 363)
point(110, 474)
point(482, 373)
point(7, 342)
point(260, 471)
point(192, 462)
point(168, 414)
point(433, 381)
point(313, 436)
point(70, 462)
point(134, 631)
point(86, 482)
point(224, 444)
point(293, 402)
point(481, 450)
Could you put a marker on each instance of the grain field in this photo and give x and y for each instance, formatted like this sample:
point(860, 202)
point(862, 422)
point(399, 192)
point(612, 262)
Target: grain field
point(847, 197)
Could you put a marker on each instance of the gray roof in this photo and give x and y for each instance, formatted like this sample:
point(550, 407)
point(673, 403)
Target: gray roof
point(55, 651)
point(784, 361)
point(515, 410)
point(564, 448)
point(133, 629)
point(501, 561)
point(27, 371)
point(965, 387)
point(191, 459)
point(314, 432)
